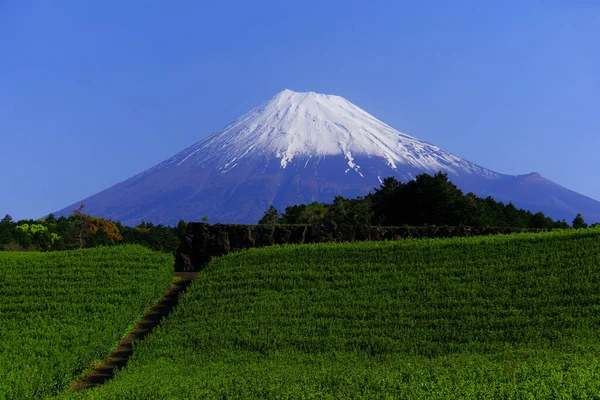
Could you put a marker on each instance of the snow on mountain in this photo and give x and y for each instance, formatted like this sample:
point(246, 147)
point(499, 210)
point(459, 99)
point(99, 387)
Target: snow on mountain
point(303, 147)
point(295, 125)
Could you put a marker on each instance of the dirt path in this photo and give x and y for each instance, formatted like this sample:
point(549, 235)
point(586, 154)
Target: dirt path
point(120, 355)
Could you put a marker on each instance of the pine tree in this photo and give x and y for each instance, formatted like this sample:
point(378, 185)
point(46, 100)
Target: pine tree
point(270, 217)
point(579, 223)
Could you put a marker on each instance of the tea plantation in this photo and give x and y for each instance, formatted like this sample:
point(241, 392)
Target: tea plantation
point(62, 311)
point(514, 316)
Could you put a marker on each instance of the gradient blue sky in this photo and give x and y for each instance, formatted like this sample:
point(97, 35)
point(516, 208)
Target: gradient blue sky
point(93, 92)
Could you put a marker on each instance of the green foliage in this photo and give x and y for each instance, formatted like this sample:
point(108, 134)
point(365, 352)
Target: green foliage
point(270, 217)
point(579, 223)
point(83, 230)
point(426, 200)
point(156, 237)
point(37, 234)
point(6, 234)
point(349, 211)
point(41, 235)
point(61, 311)
point(488, 317)
point(181, 229)
point(305, 214)
point(434, 200)
point(98, 238)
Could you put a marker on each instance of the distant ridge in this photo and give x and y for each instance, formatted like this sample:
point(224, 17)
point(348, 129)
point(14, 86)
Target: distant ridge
point(304, 147)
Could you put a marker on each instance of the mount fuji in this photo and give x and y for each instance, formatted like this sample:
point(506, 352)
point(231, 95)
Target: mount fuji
point(302, 147)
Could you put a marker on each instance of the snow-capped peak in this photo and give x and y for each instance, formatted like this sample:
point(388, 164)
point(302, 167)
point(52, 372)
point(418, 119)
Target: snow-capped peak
point(299, 125)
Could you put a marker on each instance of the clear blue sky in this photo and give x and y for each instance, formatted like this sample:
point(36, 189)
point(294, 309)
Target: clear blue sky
point(93, 92)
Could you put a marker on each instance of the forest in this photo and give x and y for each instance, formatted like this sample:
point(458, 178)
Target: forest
point(80, 230)
point(426, 200)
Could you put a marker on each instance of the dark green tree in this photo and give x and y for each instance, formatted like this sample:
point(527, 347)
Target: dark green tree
point(293, 214)
point(181, 229)
point(155, 237)
point(579, 223)
point(384, 202)
point(513, 217)
point(270, 217)
point(357, 211)
point(425, 200)
point(6, 235)
point(98, 238)
point(540, 221)
point(50, 222)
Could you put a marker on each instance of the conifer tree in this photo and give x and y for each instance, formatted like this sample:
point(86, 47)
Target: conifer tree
point(579, 223)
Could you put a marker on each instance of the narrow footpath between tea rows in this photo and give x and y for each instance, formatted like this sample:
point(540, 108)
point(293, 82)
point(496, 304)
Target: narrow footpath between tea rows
point(120, 355)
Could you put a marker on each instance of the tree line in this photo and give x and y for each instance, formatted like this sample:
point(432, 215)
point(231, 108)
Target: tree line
point(80, 230)
point(426, 200)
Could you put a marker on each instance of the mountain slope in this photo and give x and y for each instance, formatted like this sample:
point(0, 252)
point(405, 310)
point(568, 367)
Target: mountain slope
point(304, 147)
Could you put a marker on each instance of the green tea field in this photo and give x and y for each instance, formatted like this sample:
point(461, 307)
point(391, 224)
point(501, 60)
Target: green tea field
point(60, 312)
point(514, 316)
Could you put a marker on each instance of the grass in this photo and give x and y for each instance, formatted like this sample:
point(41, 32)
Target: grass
point(514, 316)
point(60, 312)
